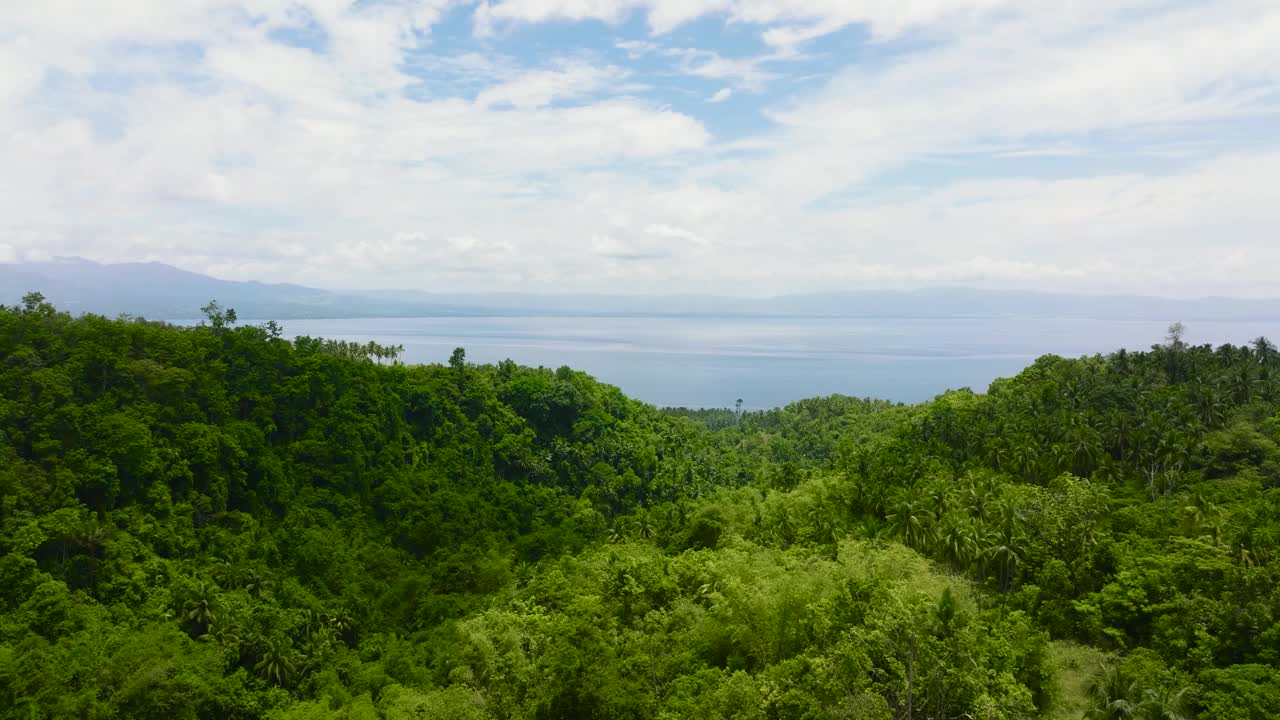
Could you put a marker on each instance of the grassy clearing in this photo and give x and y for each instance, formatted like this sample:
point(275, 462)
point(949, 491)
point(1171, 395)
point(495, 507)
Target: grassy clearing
point(1076, 666)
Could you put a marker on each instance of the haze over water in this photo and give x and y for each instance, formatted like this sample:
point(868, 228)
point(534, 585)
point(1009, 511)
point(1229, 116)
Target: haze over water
point(768, 362)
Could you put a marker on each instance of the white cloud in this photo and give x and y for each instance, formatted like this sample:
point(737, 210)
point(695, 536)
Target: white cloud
point(412, 252)
point(1069, 78)
point(676, 233)
point(787, 38)
point(818, 17)
point(539, 88)
point(537, 11)
point(655, 242)
point(746, 73)
point(17, 75)
point(225, 149)
point(1107, 232)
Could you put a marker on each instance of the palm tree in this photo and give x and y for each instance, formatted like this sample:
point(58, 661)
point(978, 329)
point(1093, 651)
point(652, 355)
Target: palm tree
point(202, 607)
point(784, 528)
point(1264, 350)
point(957, 543)
point(825, 531)
point(1209, 407)
point(998, 453)
point(873, 528)
point(1165, 705)
point(311, 621)
point(1083, 448)
point(93, 538)
point(911, 522)
point(644, 528)
point(224, 634)
point(1009, 519)
point(275, 663)
point(1025, 457)
point(1242, 384)
point(319, 641)
point(621, 528)
point(1117, 427)
point(344, 627)
point(221, 570)
point(1115, 696)
point(1002, 553)
point(1266, 385)
point(1200, 511)
point(1005, 559)
point(255, 583)
point(977, 497)
point(1254, 541)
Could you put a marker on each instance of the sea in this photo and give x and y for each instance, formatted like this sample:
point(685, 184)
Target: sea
point(771, 361)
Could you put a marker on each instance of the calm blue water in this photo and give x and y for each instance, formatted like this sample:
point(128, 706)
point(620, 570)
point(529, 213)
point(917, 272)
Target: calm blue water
point(710, 362)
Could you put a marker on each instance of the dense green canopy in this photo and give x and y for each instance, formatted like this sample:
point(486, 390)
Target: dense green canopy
point(215, 522)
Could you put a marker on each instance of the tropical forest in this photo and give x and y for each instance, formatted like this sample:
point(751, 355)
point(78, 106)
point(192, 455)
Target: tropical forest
point(220, 521)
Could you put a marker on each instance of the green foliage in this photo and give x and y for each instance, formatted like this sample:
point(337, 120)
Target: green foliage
point(214, 522)
point(1248, 692)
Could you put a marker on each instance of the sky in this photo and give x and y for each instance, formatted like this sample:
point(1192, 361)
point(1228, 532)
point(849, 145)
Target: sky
point(638, 146)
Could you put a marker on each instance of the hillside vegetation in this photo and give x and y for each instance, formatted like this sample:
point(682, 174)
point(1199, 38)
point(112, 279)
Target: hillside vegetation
point(216, 522)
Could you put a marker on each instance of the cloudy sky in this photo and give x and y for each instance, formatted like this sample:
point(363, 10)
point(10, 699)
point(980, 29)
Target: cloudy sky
point(732, 146)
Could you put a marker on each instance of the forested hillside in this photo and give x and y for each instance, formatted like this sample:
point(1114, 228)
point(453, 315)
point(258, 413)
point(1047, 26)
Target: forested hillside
point(216, 522)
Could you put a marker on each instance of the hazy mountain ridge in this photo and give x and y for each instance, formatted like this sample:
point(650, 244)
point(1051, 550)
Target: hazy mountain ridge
point(164, 291)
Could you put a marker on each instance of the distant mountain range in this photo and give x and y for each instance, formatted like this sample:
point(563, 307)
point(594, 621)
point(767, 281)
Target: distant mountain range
point(160, 291)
